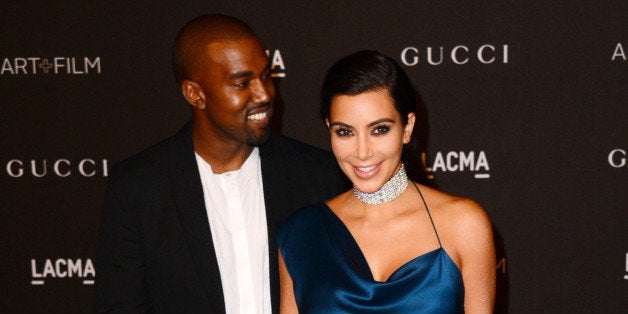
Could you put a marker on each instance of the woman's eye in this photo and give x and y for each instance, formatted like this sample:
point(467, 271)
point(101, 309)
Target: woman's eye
point(381, 129)
point(343, 132)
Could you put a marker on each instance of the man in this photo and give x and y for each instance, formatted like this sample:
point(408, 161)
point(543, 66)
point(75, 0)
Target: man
point(188, 224)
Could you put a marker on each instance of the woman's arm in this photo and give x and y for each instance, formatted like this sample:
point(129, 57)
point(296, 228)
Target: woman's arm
point(474, 244)
point(287, 302)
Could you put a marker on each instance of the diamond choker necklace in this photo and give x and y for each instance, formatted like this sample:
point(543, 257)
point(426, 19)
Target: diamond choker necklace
point(388, 192)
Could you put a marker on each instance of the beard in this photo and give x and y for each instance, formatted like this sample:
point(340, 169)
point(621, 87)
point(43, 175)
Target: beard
point(256, 140)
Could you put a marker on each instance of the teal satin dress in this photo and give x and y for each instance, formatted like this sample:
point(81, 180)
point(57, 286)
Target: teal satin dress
point(331, 275)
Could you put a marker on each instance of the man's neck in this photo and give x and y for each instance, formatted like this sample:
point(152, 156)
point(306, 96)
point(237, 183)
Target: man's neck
point(222, 157)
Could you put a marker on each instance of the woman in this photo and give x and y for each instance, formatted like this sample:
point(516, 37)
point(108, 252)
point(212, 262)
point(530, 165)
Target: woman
point(389, 245)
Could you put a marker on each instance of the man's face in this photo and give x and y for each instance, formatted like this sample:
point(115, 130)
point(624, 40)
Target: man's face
point(234, 77)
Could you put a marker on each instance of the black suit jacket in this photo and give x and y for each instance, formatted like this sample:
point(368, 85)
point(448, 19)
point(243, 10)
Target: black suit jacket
point(156, 253)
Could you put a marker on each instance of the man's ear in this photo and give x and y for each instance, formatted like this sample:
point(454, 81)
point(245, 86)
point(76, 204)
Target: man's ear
point(193, 93)
point(327, 122)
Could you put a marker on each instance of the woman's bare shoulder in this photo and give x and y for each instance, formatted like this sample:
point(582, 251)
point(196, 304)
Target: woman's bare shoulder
point(463, 226)
point(458, 213)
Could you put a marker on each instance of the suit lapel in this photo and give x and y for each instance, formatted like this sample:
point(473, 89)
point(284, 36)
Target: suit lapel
point(276, 181)
point(188, 194)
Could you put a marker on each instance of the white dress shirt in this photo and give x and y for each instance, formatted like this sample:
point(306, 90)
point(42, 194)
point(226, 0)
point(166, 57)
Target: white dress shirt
point(237, 218)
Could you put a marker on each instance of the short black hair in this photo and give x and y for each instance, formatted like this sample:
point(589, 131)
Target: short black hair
point(189, 44)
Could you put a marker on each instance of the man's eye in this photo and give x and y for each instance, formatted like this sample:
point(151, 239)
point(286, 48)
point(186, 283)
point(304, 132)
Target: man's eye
point(243, 84)
point(381, 129)
point(343, 132)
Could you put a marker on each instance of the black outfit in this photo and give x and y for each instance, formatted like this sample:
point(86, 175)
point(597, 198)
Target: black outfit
point(156, 252)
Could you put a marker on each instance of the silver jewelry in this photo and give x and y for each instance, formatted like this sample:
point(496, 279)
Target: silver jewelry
point(388, 192)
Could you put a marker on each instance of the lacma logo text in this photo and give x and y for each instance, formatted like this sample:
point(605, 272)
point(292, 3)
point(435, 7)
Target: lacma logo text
point(277, 66)
point(452, 161)
point(62, 268)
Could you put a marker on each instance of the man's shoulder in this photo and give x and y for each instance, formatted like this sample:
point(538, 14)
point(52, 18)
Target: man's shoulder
point(293, 148)
point(154, 157)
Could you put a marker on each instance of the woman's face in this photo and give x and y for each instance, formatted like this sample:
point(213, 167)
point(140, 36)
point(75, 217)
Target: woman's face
point(367, 136)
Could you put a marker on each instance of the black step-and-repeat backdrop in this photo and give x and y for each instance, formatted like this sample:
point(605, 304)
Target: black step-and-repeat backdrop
point(527, 114)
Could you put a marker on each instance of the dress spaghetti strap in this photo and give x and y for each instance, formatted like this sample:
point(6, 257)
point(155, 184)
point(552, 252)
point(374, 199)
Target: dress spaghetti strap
point(428, 213)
